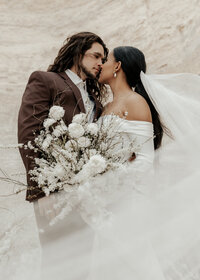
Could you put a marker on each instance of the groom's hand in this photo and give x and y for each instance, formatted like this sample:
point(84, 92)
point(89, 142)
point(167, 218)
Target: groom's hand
point(133, 156)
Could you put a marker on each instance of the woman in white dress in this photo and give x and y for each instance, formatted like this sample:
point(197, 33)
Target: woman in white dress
point(152, 231)
point(130, 99)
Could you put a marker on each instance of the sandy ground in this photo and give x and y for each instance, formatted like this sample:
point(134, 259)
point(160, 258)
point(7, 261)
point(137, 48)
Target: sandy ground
point(31, 33)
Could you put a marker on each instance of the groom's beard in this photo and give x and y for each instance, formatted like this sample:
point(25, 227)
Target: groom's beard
point(88, 74)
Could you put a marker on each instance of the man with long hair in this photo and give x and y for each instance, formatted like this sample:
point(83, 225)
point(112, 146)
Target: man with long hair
point(71, 82)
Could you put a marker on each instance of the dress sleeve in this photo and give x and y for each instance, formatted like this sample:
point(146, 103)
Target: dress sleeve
point(145, 153)
point(142, 133)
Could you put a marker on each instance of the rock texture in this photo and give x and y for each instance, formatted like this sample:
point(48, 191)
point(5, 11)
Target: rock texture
point(31, 33)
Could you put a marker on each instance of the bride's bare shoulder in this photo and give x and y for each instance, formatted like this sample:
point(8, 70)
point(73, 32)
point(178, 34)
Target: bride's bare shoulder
point(138, 108)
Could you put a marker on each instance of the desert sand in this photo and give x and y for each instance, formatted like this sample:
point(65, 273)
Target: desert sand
point(32, 33)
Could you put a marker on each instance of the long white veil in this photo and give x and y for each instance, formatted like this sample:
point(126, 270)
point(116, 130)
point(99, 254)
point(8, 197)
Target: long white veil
point(146, 227)
point(176, 97)
point(151, 229)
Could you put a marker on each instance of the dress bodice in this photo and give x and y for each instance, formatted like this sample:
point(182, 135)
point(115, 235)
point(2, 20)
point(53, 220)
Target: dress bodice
point(141, 132)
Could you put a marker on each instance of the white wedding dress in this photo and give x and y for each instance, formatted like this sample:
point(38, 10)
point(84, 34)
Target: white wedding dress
point(134, 223)
point(70, 238)
point(141, 221)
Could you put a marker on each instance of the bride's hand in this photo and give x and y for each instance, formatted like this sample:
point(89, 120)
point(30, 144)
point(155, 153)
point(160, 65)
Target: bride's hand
point(133, 157)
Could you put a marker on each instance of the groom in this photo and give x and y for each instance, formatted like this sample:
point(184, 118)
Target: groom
point(71, 82)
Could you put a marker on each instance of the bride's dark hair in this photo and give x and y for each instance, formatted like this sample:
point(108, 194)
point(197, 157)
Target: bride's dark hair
point(132, 63)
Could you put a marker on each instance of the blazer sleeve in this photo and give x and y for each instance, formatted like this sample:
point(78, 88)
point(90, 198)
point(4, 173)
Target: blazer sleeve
point(35, 105)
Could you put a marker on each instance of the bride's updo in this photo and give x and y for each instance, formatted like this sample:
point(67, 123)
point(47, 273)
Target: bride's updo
point(132, 63)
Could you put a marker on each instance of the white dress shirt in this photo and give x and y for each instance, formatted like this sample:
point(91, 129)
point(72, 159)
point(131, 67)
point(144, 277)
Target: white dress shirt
point(89, 105)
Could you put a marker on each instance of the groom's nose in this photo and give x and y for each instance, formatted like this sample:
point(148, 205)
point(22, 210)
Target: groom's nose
point(99, 63)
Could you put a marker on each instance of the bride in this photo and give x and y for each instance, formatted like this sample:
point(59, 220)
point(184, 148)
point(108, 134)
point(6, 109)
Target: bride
point(140, 222)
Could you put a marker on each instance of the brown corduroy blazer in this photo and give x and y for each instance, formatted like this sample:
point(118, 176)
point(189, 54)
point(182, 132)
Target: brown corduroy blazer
point(45, 89)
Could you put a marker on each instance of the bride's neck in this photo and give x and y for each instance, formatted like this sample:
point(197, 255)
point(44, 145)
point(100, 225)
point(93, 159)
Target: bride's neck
point(119, 87)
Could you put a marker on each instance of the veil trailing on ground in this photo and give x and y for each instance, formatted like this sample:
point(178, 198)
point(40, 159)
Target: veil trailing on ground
point(147, 226)
point(154, 230)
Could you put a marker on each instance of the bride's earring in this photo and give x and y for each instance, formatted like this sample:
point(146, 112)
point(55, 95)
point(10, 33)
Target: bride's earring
point(115, 75)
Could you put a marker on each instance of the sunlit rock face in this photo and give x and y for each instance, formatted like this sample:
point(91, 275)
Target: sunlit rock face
point(32, 32)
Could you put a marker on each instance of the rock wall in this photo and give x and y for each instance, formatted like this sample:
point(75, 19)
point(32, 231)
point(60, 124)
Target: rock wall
point(31, 33)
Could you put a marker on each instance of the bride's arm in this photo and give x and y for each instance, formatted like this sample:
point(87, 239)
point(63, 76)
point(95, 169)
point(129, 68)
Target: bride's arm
point(137, 109)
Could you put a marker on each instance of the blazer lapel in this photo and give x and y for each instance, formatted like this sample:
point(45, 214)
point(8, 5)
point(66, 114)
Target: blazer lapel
point(75, 91)
point(77, 94)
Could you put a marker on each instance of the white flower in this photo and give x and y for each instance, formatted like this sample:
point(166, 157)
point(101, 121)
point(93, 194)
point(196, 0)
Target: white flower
point(97, 164)
point(30, 146)
point(71, 145)
point(88, 153)
point(41, 179)
point(104, 146)
point(56, 112)
point(84, 142)
point(58, 131)
point(79, 118)
point(47, 142)
point(63, 125)
point(66, 154)
point(46, 191)
point(75, 130)
point(54, 153)
point(92, 152)
point(92, 128)
point(80, 164)
point(51, 179)
point(48, 122)
point(59, 171)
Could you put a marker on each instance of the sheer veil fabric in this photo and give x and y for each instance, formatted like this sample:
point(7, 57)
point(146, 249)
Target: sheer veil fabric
point(135, 223)
point(142, 221)
point(176, 97)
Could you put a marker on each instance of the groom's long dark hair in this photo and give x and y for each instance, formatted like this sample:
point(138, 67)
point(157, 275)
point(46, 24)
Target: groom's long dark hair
point(132, 63)
point(71, 54)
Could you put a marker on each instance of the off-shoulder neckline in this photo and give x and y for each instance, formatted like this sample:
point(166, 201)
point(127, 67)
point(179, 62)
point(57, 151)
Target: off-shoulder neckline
point(137, 121)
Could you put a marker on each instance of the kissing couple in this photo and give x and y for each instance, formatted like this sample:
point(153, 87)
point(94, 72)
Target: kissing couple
point(149, 108)
point(76, 81)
